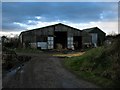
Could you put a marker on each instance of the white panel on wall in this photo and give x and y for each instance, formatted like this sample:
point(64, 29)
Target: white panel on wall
point(49, 38)
point(43, 45)
point(50, 42)
point(52, 38)
point(70, 42)
point(49, 47)
point(94, 37)
point(71, 38)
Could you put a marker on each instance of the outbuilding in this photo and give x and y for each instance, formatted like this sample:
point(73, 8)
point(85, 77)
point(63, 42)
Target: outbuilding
point(98, 36)
point(50, 37)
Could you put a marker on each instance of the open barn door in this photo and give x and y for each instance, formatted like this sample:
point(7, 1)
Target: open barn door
point(77, 41)
point(60, 38)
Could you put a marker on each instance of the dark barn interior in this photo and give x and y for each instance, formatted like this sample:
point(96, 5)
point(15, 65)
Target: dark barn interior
point(60, 38)
point(77, 41)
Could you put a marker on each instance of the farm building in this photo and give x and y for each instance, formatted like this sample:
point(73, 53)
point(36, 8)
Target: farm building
point(98, 36)
point(50, 37)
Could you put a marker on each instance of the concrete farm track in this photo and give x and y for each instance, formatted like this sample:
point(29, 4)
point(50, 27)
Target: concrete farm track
point(44, 71)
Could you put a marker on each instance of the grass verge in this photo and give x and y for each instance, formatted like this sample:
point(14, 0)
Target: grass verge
point(92, 66)
point(27, 50)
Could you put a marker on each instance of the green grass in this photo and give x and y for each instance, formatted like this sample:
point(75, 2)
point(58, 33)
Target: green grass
point(27, 50)
point(91, 65)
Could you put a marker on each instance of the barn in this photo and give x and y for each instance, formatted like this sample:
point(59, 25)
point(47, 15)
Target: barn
point(98, 36)
point(50, 37)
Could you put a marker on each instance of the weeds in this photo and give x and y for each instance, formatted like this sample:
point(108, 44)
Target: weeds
point(100, 65)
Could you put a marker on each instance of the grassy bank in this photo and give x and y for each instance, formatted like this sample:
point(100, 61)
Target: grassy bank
point(100, 65)
point(10, 60)
point(83, 67)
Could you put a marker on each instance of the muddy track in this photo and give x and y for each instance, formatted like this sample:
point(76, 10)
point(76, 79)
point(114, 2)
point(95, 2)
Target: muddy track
point(44, 71)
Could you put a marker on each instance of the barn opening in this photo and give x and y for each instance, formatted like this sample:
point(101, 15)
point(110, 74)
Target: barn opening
point(77, 41)
point(60, 38)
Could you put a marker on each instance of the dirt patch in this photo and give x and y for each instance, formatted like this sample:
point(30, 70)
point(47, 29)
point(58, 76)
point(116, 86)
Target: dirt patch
point(69, 55)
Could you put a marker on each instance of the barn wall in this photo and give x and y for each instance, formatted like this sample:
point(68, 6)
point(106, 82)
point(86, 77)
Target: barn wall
point(86, 38)
point(29, 36)
point(71, 31)
point(101, 35)
point(46, 35)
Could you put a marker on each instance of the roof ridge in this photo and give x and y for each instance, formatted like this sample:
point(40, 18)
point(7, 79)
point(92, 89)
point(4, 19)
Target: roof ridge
point(90, 28)
point(50, 26)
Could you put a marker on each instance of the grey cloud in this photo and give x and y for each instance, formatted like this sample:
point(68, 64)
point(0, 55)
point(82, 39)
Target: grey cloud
point(79, 12)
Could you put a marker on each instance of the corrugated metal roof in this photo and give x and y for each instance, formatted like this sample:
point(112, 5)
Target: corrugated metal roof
point(51, 26)
point(91, 29)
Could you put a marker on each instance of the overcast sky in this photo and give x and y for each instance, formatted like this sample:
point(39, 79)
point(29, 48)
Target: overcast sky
point(20, 16)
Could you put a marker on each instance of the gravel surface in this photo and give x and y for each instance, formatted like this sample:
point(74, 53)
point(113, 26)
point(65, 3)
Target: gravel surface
point(43, 71)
